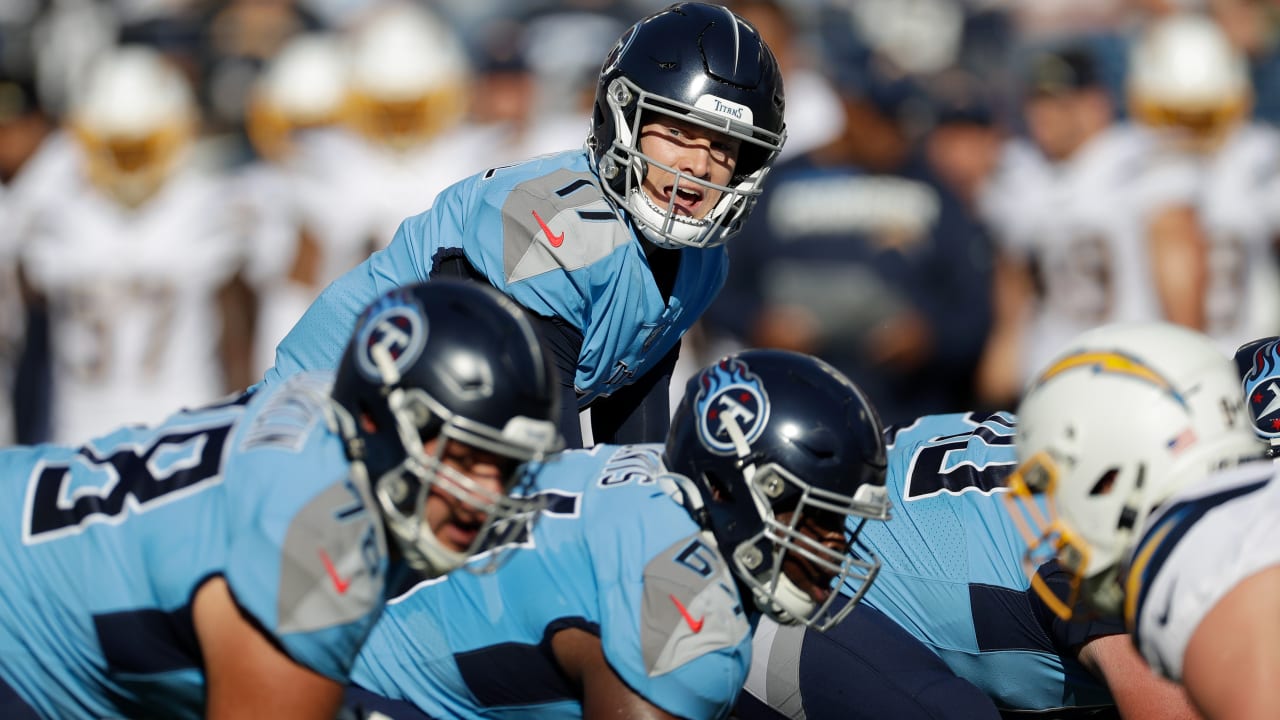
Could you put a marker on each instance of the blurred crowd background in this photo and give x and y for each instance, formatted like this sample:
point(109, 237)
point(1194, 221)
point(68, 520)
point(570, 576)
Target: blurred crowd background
point(966, 183)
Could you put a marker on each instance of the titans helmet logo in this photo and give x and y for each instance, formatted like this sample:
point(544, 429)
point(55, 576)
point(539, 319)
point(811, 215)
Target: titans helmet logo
point(1262, 383)
point(730, 393)
point(396, 327)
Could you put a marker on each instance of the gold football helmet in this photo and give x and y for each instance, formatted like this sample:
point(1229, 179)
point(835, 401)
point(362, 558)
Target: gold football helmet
point(135, 118)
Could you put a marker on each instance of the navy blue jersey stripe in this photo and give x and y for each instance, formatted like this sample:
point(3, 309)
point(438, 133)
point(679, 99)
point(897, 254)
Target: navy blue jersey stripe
point(148, 640)
point(1003, 620)
point(513, 674)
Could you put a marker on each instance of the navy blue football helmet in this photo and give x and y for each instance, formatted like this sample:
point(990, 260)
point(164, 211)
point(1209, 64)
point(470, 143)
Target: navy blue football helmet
point(458, 360)
point(699, 63)
point(1258, 363)
point(777, 445)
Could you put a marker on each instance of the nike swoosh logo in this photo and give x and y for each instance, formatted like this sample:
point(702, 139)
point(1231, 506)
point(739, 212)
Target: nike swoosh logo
point(694, 625)
point(555, 240)
point(339, 583)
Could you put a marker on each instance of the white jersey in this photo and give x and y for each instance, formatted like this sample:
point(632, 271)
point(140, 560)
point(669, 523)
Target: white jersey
point(1084, 223)
point(41, 180)
point(346, 197)
point(270, 224)
point(1196, 548)
point(1237, 190)
point(132, 297)
point(357, 192)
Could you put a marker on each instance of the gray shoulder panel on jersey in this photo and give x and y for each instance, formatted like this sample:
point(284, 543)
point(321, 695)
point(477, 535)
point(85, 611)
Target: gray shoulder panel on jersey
point(774, 678)
point(332, 563)
point(289, 413)
point(690, 606)
point(557, 221)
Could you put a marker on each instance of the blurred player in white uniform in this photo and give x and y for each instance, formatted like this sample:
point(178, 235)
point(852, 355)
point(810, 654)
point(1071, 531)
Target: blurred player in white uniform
point(1163, 507)
point(24, 125)
point(356, 130)
point(406, 98)
point(1095, 224)
point(294, 103)
point(1189, 82)
point(34, 174)
point(132, 254)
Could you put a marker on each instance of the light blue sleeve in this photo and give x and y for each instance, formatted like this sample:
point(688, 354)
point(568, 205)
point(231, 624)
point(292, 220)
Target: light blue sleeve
point(306, 559)
point(319, 338)
point(671, 622)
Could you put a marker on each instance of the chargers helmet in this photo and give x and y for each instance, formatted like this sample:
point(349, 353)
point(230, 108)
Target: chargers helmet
point(134, 119)
point(705, 65)
point(457, 360)
point(1184, 73)
point(767, 444)
point(303, 86)
point(1126, 416)
point(408, 76)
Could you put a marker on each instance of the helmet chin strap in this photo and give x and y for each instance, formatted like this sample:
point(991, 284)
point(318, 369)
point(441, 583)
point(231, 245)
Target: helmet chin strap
point(684, 492)
point(654, 217)
point(433, 559)
point(787, 604)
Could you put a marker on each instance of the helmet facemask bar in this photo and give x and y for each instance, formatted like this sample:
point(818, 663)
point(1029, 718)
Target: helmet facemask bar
point(762, 560)
point(660, 224)
point(403, 490)
point(1049, 536)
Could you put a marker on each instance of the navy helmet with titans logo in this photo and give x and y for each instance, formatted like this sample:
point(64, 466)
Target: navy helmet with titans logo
point(780, 448)
point(705, 65)
point(457, 360)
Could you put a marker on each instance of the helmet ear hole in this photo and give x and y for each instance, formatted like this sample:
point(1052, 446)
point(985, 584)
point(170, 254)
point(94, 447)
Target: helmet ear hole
point(1105, 483)
point(720, 491)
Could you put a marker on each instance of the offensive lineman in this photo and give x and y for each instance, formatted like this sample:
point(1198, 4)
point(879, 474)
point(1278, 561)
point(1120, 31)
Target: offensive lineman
point(229, 562)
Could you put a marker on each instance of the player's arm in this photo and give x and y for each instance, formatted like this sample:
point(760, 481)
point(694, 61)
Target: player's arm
point(246, 675)
point(999, 374)
point(238, 303)
point(1139, 693)
point(1102, 646)
point(1179, 264)
point(321, 334)
point(1232, 661)
point(604, 694)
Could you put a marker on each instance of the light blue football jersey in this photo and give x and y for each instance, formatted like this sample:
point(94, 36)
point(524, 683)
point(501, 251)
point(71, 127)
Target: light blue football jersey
point(953, 573)
point(544, 233)
point(107, 544)
point(612, 554)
